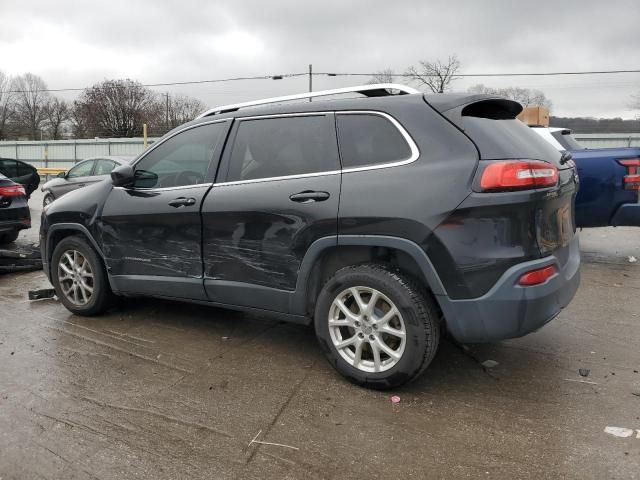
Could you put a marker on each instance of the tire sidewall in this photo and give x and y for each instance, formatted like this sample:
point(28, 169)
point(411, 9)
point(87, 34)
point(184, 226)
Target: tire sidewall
point(415, 344)
point(100, 285)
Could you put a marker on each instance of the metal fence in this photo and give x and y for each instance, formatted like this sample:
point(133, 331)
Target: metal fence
point(64, 153)
point(608, 140)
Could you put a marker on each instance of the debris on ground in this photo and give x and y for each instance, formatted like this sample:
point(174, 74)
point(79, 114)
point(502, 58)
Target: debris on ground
point(635, 389)
point(619, 431)
point(584, 372)
point(20, 259)
point(632, 259)
point(254, 440)
point(489, 363)
point(395, 399)
point(579, 381)
point(42, 293)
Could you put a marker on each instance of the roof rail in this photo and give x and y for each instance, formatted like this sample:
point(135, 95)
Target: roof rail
point(372, 90)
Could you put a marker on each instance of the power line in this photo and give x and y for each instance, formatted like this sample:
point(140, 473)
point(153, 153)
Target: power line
point(528, 74)
point(345, 74)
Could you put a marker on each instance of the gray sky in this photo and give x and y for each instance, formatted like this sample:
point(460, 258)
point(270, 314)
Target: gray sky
point(76, 43)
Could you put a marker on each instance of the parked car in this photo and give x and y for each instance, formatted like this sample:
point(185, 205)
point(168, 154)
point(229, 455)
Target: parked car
point(379, 220)
point(83, 173)
point(22, 173)
point(14, 210)
point(609, 180)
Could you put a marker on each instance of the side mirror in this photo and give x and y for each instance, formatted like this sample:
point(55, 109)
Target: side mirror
point(61, 174)
point(122, 176)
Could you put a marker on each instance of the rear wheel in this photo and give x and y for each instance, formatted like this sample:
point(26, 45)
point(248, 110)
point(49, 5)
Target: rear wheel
point(9, 237)
point(79, 277)
point(376, 326)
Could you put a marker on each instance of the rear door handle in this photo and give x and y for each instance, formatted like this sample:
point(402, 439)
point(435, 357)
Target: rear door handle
point(309, 196)
point(182, 202)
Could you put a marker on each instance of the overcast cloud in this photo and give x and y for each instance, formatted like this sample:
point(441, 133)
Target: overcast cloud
point(77, 43)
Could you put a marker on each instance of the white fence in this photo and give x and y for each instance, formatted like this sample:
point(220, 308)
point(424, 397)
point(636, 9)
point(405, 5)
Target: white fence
point(64, 153)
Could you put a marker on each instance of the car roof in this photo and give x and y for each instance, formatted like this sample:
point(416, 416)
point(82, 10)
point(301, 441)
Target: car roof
point(116, 158)
point(440, 101)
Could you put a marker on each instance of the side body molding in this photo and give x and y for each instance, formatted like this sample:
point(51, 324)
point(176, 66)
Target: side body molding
point(298, 301)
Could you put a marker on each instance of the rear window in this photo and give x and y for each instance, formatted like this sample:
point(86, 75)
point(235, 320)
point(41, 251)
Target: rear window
point(508, 139)
point(567, 141)
point(368, 139)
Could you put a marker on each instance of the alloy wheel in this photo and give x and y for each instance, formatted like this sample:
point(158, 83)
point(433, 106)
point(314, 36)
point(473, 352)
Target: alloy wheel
point(75, 277)
point(367, 329)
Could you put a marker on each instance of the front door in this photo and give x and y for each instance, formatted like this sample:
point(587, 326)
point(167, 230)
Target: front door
point(152, 230)
point(278, 191)
point(75, 178)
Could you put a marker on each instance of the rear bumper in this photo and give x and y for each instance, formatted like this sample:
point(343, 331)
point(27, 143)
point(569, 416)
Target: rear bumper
point(628, 215)
point(11, 225)
point(509, 310)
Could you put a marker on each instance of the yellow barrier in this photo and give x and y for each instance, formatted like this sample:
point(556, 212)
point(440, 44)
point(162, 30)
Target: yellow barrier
point(50, 170)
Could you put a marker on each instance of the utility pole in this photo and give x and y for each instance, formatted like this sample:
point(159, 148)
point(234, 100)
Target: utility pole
point(166, 115)
point(310, 80)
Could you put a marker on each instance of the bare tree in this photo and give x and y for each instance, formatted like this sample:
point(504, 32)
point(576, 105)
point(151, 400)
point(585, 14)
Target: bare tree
point(524, 96)
point(382, 76)
point(7, 106)
point(31, 97)
point(181, 109)
point(438, 75)
point(57, 113)
point(117, 108)
point(635, 104)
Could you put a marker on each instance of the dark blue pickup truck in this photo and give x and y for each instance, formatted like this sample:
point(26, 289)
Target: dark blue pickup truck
point(609, 181)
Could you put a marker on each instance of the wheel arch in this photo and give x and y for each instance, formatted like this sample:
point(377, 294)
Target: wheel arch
point(328, 254)
point(57, 232)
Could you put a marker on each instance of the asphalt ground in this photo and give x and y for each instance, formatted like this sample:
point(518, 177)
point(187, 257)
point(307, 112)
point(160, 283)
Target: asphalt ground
point(157, 389)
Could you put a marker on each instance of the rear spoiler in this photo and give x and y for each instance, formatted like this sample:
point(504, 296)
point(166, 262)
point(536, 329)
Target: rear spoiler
point(480, 106)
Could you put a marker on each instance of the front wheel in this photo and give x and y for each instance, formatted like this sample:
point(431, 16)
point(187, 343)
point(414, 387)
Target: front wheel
point(79, 277)
point(376, 326)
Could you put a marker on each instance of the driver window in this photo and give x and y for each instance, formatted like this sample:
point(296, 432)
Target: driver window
point(181, 160)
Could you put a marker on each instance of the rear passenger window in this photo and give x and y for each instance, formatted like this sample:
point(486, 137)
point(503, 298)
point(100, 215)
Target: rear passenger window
point(368, 139)
point(277, 147)
point(104, 167)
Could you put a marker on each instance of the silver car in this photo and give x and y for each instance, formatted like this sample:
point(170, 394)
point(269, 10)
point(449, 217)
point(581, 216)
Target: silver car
point(86, 172)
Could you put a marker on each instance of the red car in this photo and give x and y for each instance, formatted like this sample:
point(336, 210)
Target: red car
point(14, 210)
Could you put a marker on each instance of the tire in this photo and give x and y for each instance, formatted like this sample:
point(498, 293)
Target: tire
point(9, 237)
point(75, 300)
point(418, 318)
point(48, 198)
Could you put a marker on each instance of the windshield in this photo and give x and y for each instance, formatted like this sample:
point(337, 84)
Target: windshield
point(567, 141)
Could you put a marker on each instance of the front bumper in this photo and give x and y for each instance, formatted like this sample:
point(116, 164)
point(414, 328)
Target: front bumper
point(628, 215)
point(509, 310)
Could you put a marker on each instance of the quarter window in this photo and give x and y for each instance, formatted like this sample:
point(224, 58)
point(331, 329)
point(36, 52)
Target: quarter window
point(81, 170)
point(368, 139)
point(181, 160)
point(283, 146)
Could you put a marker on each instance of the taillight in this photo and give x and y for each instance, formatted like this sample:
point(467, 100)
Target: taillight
point(12, 191)
point(631, 180)
point(536, 277)
point(518, 175)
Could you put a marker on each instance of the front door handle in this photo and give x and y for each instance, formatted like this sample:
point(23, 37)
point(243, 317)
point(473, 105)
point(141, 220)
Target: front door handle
point(182, 202)
point(309, 196)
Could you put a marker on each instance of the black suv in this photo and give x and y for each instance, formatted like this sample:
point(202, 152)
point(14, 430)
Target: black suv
point(381, 220)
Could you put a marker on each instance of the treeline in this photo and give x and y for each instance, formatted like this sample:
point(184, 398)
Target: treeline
point(112, 108)
point(596, 125)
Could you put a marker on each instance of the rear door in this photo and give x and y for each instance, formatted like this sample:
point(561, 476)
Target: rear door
point(277, 192)
point(151, 232)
